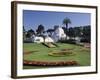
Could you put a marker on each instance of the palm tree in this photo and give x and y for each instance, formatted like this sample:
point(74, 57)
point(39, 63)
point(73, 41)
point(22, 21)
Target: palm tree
point(66, 21)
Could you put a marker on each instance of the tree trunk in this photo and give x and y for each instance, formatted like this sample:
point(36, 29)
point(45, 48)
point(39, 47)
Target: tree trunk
point(66, 30)
point(66, 26)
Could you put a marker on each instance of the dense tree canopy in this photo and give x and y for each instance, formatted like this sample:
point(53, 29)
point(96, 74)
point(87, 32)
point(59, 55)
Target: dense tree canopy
point(30, 33)
point(50, 31)
point(40, 29)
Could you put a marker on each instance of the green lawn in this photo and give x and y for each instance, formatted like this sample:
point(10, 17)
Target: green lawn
point(40, 53)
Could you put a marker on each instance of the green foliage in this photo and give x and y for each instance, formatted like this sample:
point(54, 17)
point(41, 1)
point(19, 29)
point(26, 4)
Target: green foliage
point(30, 33)
point(40, 29)
point(86, 34)
point(77, 31)
point(83, 31)
point(69, 41)
point(66, 21)
point(71, 32)
point(50, 31)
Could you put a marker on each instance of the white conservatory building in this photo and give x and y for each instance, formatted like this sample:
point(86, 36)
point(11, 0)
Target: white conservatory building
point(59, 34)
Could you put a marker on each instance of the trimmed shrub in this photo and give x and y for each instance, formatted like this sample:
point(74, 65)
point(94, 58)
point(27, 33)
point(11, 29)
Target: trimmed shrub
point(70, 41)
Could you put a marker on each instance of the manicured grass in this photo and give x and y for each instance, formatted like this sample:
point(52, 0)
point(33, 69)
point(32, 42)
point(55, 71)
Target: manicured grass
point(40, 53)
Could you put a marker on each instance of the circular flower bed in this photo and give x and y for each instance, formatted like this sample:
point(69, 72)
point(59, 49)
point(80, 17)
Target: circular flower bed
point(45, 63)
point(60, 53)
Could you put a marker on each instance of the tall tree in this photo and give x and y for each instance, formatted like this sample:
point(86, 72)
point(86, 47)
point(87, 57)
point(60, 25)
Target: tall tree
point(66, 21)
point(87, 33)
point(50, 31)
point(40, 29)
point(30, 33)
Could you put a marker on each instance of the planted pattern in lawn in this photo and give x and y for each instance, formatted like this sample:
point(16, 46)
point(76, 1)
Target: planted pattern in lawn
point(39, 52)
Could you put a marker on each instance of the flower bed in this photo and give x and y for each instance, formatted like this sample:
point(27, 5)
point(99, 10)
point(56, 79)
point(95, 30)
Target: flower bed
point(60, 53)
point(44, 63)
point(66, 49)
point(29, 52)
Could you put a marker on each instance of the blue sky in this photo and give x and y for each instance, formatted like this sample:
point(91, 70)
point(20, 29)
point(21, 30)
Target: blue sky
point(31, 19)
